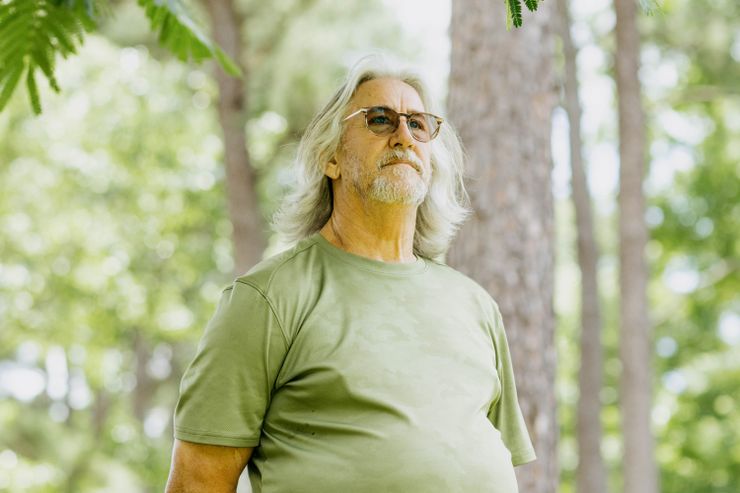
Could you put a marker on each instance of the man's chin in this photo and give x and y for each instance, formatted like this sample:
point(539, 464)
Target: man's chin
point(399, 201)
point(400, 197)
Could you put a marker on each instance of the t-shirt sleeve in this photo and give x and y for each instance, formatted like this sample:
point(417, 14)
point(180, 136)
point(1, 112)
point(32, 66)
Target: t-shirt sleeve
point(226, 390)
point(505, 413)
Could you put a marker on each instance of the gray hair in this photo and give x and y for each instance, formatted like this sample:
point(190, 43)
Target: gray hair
point(308, 206)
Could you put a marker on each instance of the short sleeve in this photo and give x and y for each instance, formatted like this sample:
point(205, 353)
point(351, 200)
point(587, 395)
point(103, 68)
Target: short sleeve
point(226, 390)
point(505, 413)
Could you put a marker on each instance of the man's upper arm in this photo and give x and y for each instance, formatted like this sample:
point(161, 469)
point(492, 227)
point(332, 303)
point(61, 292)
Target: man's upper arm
point(206, 468)
point(226, 390)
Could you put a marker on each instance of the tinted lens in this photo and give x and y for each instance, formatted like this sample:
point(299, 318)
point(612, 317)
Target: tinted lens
point(384, 121)
point(381, 120)
point(423, 126)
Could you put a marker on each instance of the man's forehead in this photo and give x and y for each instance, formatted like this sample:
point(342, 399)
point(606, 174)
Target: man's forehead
point(392, 93)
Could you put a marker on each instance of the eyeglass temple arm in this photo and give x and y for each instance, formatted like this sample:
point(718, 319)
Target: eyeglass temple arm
point(361, 110)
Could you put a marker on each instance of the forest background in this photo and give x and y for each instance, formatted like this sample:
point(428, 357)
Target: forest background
point(116, 239)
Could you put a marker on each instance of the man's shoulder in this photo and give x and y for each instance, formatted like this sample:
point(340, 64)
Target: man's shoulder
point(463, 285)
point(285, 268)
point(452, 275)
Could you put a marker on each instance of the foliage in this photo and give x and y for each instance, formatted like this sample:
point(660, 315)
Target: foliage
point(32, 32)
point(694, 251)
point(514, 11)
point(689, 69)
point(182, 36)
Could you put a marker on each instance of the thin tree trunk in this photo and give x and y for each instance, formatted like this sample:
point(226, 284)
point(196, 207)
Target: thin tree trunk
point(640, 470)
point(501, 95)
point(590, 474)
point(144, 389)
point(248, 233)
point(80, 467)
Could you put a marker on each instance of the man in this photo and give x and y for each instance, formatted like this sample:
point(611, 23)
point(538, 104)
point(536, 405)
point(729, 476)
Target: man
point(356, 360)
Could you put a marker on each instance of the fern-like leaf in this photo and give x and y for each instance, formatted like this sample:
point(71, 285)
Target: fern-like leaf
point(32, 32)
point(33, 91)
point(182, 36)
point(531, 4)
point(514, 13)
point(10, 77)
point(92, 9)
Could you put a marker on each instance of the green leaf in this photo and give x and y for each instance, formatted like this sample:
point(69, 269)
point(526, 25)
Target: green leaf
point(514, 16)
point(10, 46)
point(92, 9)
point(226, 62)
point(33, 91)
point(9, 85)
point(531, 4)
point(43, 62)
point(182, 36)
point(63, 37)
point(32, 32)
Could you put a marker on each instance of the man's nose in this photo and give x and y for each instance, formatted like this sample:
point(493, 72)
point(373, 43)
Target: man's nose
point(402, 136)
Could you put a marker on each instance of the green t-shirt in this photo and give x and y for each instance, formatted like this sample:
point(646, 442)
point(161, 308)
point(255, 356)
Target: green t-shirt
point(352, 374)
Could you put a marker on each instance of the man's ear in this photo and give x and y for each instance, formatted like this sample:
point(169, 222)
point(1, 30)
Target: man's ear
point(332, 169)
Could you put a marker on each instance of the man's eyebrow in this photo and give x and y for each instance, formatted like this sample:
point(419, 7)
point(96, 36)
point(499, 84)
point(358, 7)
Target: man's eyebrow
point(411, 111)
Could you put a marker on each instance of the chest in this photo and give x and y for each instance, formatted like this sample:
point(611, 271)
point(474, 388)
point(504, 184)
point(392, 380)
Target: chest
point(417, 343)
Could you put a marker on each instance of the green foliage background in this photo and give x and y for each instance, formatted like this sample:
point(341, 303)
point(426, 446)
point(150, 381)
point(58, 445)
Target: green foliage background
point(114, 241)
point(690, 62)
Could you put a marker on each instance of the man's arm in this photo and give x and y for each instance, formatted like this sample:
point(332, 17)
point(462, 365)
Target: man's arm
point(206, 468)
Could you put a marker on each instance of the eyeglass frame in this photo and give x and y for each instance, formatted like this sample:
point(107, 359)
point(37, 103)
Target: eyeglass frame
point(438, 119)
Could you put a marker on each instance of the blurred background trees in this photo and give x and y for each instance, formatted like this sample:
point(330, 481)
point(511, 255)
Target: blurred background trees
point(590, 471)
point(684, 74)
point(635, 330)
point(115, 234)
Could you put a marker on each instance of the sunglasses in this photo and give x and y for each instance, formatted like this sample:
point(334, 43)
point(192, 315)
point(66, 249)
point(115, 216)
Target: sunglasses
point(381, 120)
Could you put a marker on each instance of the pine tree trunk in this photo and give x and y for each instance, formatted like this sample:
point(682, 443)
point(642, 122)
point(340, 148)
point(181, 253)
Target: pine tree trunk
point(590, 474)
point(248, 233)
point(501, 95)
point(640, 470)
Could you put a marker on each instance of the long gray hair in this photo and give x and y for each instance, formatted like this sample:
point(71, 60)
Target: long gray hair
point(308, 206)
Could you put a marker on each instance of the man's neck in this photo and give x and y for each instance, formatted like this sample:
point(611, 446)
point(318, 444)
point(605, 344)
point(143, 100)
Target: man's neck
point(383, 232)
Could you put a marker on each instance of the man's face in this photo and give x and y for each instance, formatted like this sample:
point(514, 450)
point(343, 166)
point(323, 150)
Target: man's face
point(395, 168)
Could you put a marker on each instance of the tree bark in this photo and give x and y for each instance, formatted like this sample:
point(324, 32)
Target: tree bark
point(590, 474)
point(248, 234)
point(501, 95)
point(640, 470)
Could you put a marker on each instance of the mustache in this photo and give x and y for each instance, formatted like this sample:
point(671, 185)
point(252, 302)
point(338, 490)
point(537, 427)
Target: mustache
point(394, 156)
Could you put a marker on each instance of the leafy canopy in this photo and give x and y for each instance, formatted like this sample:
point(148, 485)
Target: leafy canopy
point(32, 32)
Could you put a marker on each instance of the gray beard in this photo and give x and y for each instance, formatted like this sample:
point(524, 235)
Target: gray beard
point(397, 191)
point(383, 187)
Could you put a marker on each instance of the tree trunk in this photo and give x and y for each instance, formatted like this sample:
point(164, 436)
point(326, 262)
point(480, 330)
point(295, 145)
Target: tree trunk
point(248, 233)
point(590, 475)
point(142, 394)
point(501, 95)
point(640, 471)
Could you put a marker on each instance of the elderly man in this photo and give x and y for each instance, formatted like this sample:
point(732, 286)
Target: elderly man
point(356, 360)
